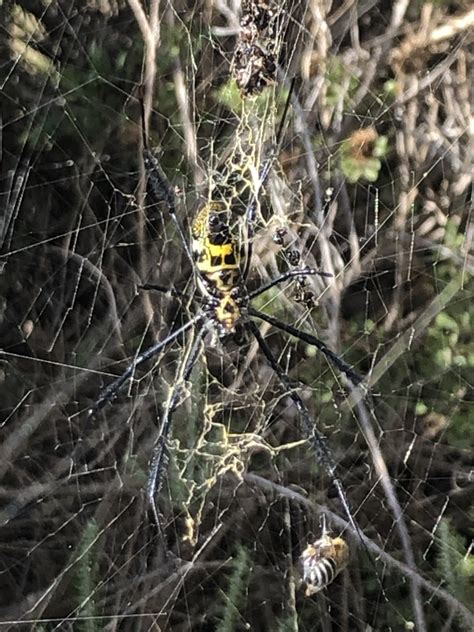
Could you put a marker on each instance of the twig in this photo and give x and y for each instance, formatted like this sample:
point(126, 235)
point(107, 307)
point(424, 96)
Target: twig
point(455, 604)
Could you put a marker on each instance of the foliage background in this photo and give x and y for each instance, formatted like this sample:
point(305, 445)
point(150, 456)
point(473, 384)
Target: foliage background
point(382, 116)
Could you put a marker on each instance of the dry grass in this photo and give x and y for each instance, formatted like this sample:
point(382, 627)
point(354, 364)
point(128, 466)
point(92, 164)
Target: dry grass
point(372, 183)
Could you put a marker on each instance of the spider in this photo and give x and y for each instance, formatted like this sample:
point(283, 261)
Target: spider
point(224, 308)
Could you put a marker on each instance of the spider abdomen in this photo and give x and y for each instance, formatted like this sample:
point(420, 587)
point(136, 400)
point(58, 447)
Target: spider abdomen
point(217, 258)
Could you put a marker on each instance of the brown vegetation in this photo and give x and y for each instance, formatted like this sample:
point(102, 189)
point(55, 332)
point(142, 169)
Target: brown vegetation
point(372, 183)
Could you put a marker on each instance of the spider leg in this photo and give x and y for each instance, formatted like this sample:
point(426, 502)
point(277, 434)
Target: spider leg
point(162, 191)
point(289, 274)
point(160, 187)
point(157, 288)
point(310, 429)
point(108, 393)
point(338, 362)
point(167, 290)
point(159, 456)
point(284, 277)
point(164, 290)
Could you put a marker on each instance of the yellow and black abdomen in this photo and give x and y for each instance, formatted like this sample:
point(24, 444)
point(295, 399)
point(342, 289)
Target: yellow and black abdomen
point(217, 258)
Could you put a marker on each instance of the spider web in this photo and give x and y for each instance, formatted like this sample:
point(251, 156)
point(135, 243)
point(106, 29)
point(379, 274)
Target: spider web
point(371, 182)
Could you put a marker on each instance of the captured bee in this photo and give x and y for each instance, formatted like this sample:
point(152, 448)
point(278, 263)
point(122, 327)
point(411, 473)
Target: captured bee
point(322, 561)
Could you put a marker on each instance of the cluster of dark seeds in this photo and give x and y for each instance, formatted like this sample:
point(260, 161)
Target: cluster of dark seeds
point(292, 255)
point(254, 66)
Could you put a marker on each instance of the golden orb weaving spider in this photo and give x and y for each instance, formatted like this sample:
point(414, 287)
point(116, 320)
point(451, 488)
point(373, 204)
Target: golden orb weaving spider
point(224, 309)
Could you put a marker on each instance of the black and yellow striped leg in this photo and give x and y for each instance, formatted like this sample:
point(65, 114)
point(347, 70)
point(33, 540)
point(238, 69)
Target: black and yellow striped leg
point(162, 191)
point(108, 393)
point(284, 277)
point(310, 429)
point(159, 456)
point(160, 187)
point(338, 362)
point(163, 289)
